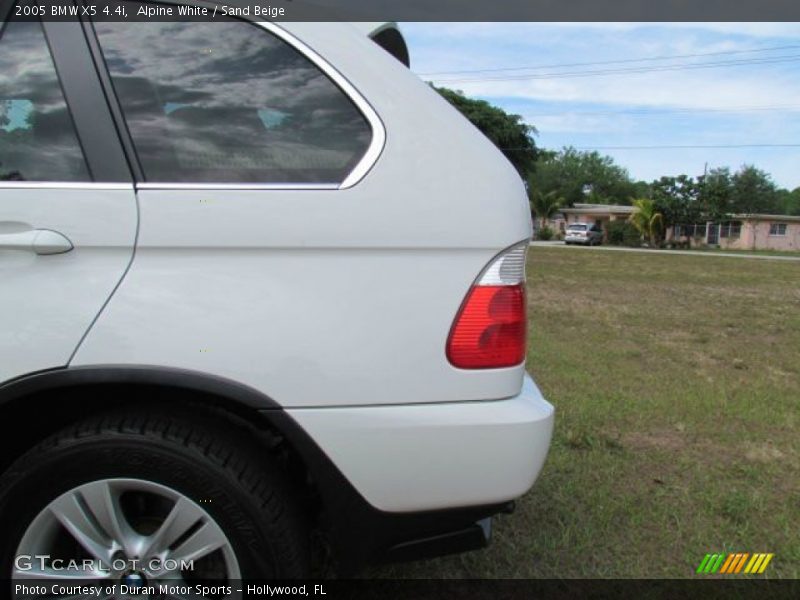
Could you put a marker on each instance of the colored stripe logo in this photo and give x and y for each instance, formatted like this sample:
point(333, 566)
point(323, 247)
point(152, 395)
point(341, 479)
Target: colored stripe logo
point(734, 563)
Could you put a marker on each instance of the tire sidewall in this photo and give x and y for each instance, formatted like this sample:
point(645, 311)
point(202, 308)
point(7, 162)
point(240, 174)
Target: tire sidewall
point(23, 495)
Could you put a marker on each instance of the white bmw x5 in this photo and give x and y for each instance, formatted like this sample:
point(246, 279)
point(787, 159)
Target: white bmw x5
point(256, 281)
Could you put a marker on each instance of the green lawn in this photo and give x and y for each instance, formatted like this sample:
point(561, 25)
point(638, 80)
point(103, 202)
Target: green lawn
point(676, 381)
point(794, 253)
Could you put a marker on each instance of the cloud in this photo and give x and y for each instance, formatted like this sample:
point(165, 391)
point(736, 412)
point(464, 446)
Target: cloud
point(523, 31)
point(670, 89)
point(471, 46)
point(649, 108)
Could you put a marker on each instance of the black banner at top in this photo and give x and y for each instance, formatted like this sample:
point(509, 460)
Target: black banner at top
point(413, 10)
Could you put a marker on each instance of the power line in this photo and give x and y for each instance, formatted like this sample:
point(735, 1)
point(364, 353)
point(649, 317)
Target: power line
point(687, 146)
point(668, 111)
point(633, 70)
point(675, 147)
point(612, 62)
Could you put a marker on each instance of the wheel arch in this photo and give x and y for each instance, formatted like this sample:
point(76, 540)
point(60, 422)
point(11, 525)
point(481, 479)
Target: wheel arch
point(35, 406)
point(70, 378)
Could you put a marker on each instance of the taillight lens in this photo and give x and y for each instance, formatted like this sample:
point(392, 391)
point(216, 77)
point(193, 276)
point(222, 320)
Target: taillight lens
point(490, 330)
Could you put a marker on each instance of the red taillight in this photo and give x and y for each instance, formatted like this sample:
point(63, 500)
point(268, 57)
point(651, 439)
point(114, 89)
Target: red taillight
point(490, 330)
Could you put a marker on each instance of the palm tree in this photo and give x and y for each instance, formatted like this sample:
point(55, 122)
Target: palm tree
point(647, 219)
point(544, 206)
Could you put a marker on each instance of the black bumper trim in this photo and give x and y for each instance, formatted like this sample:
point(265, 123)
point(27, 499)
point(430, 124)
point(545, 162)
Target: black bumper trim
point(360, 534)
point(474, 537)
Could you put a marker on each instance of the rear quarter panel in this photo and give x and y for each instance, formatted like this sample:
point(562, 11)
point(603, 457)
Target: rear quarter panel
point(328, 297)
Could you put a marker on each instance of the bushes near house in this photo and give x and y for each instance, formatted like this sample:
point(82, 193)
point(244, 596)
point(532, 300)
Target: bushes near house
point(623, 233)
point(678, 244)
point(545, 234)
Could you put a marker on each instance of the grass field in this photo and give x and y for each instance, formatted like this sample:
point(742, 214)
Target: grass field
point(794, 253)
point(676, 381)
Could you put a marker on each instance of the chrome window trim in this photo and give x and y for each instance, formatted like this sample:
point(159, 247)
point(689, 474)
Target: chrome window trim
point(378, 141)
point(236, 186)
point(368, 160)
point(63, 185)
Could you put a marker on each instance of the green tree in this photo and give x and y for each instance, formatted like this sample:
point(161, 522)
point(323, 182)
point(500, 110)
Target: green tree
point(714, 193)
point(580, 176)
point(544, 205)
point(676, 198)
point(647, 219)
point(789, 202)
point(509, 132)
point(642, 189)
point(753, 191)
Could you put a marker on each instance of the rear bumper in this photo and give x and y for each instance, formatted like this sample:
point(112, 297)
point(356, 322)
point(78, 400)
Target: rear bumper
point(426, 457)
point(415, 481)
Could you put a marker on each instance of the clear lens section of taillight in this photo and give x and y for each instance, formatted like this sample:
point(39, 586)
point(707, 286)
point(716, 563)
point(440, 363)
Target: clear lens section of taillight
point(490, 330)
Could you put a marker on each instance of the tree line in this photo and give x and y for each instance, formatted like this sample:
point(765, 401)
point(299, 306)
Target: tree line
point(569, 176)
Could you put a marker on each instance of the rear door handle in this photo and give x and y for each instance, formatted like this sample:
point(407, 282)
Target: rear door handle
point(40, 241)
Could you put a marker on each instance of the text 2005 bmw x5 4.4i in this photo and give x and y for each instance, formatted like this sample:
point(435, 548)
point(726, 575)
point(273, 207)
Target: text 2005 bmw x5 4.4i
point(260, 286)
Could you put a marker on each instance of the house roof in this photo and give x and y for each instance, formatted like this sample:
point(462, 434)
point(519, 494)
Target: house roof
point(762, 217)
point(621, 209)
point(598, 209)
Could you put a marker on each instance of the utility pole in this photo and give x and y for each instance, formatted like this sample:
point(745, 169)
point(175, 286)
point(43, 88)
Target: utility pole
point(703, 192)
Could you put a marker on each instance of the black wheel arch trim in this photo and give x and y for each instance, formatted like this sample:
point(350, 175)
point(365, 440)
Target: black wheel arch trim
point(185, 379)
point(358, 533)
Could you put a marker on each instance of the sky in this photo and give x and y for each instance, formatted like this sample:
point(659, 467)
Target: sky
point(744, 89)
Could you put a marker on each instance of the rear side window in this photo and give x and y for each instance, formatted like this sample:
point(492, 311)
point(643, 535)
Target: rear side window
point(229, 102)
point(37, 136)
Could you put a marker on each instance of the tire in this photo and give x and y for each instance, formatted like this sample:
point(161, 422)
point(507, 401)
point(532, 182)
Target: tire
point(149, 460)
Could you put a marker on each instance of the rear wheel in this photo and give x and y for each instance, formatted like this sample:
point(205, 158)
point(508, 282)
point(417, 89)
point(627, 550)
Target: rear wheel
point(140, 499)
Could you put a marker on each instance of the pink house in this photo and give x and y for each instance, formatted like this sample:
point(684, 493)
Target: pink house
point(743, 232)
point(740, 232)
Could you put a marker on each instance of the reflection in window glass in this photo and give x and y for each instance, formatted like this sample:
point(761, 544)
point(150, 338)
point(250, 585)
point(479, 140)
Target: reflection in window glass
point(730, 229)
point(37, 136)
point(777, 229)
point(229, 102)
